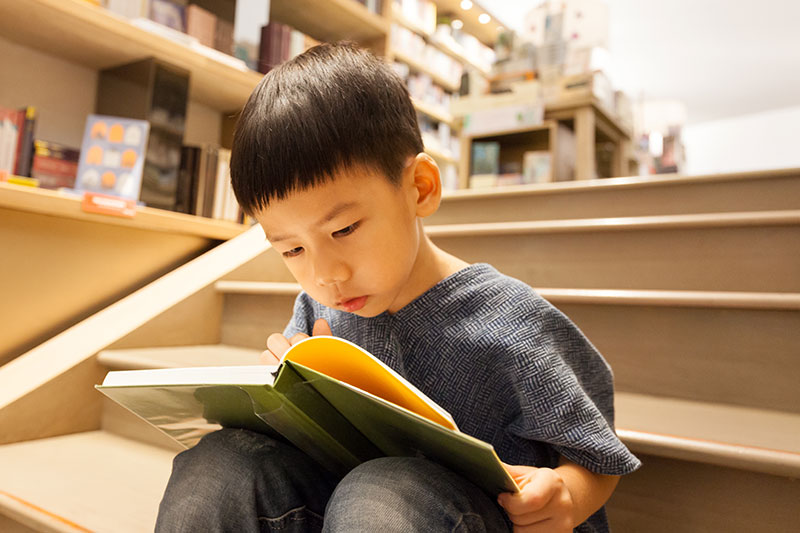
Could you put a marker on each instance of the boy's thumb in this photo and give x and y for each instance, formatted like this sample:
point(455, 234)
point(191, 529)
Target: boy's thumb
point(321, 327)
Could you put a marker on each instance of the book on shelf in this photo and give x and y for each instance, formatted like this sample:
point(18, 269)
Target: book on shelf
point(330, 398)
point(54, 165)
point(16, 140)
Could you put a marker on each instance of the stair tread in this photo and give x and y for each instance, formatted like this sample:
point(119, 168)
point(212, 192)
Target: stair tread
point(682, 298)
point(740, 436)
point(179, 356)
point(96, 480)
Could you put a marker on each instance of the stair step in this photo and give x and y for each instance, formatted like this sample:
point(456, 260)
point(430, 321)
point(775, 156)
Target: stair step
point(178, 356)
point(733, 348)
point(751, 252)
point(739, 437)
point(624, 197)
point(93, 481)
point(258, 287)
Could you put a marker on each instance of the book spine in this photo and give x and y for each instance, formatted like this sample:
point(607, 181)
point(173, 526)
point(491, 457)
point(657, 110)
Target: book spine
point(25, 146)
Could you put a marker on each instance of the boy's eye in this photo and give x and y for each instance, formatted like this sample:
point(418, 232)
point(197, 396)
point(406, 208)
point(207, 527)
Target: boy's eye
point(346, 231)
point(293, 252)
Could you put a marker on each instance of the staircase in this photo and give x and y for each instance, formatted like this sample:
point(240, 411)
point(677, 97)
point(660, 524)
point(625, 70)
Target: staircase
point(689, 286)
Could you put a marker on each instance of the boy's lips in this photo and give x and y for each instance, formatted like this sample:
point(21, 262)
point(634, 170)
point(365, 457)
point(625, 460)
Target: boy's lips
point(353, 304)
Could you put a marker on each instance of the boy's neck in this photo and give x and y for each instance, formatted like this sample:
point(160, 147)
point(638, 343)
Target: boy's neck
point(432, 265)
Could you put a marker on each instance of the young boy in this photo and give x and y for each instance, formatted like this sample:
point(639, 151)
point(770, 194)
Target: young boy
point(328, 158)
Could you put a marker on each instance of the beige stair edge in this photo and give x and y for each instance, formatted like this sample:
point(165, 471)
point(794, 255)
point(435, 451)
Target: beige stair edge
point(633, 182)
point(58, 484)
point(258, 287)
point(633, 297)
point(178, 356)
point(33, 369)
point(738, 437)
point(659, 222)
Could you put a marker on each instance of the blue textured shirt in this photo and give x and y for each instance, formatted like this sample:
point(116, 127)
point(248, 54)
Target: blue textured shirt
point(510, 368)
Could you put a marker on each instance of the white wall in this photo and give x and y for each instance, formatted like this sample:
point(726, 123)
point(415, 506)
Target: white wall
point(759, 141)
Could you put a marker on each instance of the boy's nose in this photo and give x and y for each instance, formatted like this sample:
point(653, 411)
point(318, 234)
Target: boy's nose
point(330, 271)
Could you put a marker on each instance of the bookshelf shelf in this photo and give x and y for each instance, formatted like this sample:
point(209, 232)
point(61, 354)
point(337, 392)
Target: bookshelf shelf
point(453, 49)
point(331, 20)
point(416, 66)
point(436, 114)
point(54, 204)
point(92, 36)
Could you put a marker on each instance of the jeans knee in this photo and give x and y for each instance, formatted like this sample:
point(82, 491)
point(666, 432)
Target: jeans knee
point(409, 494)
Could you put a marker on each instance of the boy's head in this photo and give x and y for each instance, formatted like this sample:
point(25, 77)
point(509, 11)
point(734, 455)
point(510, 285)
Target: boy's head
point(328, 158)
point(333, 107)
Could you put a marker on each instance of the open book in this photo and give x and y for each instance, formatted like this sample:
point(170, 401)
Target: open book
point(330, 398)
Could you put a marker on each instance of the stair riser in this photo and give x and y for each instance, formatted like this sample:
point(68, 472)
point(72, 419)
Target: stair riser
point(674, 496)
point(756, 194)
point(247, 320)
point(743, 357)
point(750, 258)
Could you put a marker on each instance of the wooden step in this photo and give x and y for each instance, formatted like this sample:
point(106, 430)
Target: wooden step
point(728, 347)
point(750, 252)
point(93, 481)
point(674, 496)
point(178, 356)
point(758, 440)
point(624, 197)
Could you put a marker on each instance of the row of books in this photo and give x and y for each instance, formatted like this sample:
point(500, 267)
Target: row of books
point(16, 140)
point(487, 169)
point(204, 185)
point(279, 43)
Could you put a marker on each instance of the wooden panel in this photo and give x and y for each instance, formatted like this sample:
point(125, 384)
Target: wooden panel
point(66, 404)
point(249, 319)
point(23, 380)
point(77, 31)
point(195, 320)
point(719, 252)
point(96, 480)
point(268, 266)
point(739, 356)
point(619, 197)
point(58, 271)
point(671, 496)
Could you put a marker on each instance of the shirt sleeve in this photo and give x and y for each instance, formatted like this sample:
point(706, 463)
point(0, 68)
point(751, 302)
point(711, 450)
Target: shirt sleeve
point(303, 316)
point(565, 392)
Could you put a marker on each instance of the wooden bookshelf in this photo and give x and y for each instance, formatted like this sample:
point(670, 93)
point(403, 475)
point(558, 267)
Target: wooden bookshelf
point(61, 264)
point(331, 20)
point(433, 112)
point(416, 66)
point(486, 33)
point(80, 32)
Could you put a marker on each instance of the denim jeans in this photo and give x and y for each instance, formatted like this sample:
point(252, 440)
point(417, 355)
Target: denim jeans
point(237, 480)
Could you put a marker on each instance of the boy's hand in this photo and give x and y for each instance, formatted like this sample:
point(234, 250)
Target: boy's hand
point(277, 344)
point(543, 503)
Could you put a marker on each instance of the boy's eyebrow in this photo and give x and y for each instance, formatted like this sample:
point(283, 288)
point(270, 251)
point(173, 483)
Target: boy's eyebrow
point(337, 209)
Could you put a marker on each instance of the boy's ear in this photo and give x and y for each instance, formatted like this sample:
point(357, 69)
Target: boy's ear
point(427, 184)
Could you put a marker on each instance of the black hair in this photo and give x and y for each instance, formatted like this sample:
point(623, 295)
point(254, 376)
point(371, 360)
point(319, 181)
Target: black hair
point(330, 108)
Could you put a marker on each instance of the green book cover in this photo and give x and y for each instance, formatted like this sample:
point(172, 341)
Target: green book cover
point(338, 422)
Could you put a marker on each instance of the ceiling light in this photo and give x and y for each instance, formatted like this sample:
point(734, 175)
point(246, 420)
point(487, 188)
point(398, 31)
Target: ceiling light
point(457, 24)
point(484, 18)
point(466, 4)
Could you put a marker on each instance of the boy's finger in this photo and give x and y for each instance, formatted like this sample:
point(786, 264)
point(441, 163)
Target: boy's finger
point(277, 344)
point(297, 337)
point(269, 358)
point(321, 327)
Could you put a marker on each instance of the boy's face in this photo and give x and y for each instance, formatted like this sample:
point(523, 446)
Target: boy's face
point(352, 242)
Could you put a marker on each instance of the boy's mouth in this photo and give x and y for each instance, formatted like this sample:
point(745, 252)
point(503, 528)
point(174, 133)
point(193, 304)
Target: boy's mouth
point(354, 304)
